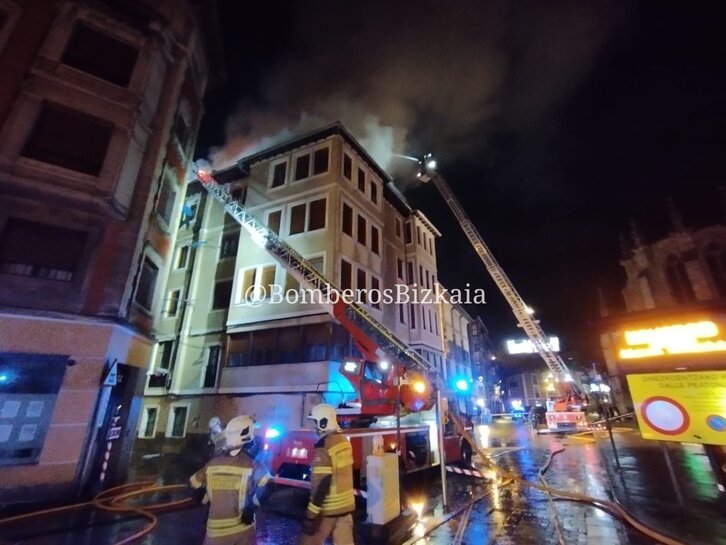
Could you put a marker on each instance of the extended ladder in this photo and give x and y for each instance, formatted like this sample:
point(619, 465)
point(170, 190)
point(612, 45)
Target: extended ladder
point(521, 311)
point(310, 277)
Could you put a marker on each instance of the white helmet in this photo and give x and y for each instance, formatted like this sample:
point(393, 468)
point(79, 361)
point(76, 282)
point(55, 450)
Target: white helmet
point(325, 418)
point(240, 430)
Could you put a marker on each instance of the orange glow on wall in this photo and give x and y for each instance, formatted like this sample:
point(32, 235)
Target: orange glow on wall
point(690, 338)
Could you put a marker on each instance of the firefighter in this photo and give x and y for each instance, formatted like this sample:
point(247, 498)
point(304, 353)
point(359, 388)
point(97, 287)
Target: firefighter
point(332, 501)
point(236, 484)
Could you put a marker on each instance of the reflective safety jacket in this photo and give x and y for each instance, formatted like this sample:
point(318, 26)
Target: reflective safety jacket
point(332, 477)
point(233, 485)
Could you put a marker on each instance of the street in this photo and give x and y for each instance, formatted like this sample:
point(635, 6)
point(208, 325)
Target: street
point(478, 511)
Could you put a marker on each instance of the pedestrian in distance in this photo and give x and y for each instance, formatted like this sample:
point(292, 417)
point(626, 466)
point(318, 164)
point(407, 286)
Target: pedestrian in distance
point(236, 484)
point(332, 500)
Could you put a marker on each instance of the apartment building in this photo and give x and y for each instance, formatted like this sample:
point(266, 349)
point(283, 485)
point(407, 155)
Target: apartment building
point(226, 345)
point(99, 110)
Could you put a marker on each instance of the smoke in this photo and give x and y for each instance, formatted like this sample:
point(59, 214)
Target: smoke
point(407, 78)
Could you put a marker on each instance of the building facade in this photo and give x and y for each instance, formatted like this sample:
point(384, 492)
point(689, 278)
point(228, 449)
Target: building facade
point(234, 344)
point(99, 110)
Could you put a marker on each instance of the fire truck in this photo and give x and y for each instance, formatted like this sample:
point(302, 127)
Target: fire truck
point(391, 380)
point(566, 413)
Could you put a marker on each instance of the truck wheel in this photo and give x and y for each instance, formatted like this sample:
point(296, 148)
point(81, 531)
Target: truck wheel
point(466, 454)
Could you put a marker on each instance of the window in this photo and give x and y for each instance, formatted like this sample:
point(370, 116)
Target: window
point(347, 220)
point(716, 261)
point(361, 285)
point(412, 315)
point(428, 280)
point(678, 280)
point(401, 313)
point(375, 240)
point(397, 223)
point(182, 131)
point(423, 318)
point(374, 192)
point(165, 202)
point(148, 428)
point(239, 350)
point(182, 257)
point(69, 139)
point(267, 280)
point(279, 174)
point(421, 276)
point(431, 322)
point(361, 180)
point(291, 283)
point(317, 263)
point(100, 55)
point(178, 427)
point(418, 234)
point(274, 219)
point(172, 303)
point(535, 380)
point(409, 236)
point(229, 245)
point(361, 230)
point(346, 275)
point(315, 343)
point(399, 268)
point(40, 250)
point(411, 279)
point(347, 166)
point(375, 287)
point(248, 284)
point(147, 283)
point(320, 161)
point(222, 294)
point(297, 219)
point(263, 347)
point(210, 371)
point(317, 215)
point(189, 213)
point(302, 167)
point(436, 324)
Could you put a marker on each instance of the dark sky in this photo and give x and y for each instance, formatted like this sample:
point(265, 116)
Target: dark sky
point(554, 123)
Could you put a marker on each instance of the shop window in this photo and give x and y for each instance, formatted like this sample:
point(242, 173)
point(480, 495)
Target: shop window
point(69, 139)
point(100, 55)
point(40, 250)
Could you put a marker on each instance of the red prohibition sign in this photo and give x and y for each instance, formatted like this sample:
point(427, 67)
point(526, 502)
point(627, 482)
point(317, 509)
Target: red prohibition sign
point(668, 402)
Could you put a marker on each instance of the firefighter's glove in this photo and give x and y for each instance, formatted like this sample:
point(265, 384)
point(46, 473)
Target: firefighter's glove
point(248, 516)
point(311, 525)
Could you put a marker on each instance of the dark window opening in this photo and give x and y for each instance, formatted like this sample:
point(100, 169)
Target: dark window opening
point(279, 173)
point(398, 228)
point(347, 220)
point(320, 161)
point(317, 215)
point(409, 234)
point(230, 243)
point(375, 240)
point(273, 221)
point(347, 166)
point(69, 139)
point(179, 422)
point(346, 275)
point(297, 219)
point(222, 294)
point(716, 262)
point(147, 283)
point(165, 202)
point(182, 131)
point(40, 250)
point(374, 193)
point(361, 180)
point(210, 372)
point(302, 167)
point(361, 285)
point(678, 281)
point(399, 268)
point(172, 305)
point(376, 288)
point(362, 230)
point(100, 55)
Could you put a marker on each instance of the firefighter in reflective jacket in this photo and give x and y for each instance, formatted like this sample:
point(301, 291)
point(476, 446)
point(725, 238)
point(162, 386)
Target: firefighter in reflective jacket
point(332, 501)
point(236, 484)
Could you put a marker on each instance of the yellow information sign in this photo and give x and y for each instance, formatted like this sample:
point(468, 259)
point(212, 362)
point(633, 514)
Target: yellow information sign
point(683, 407)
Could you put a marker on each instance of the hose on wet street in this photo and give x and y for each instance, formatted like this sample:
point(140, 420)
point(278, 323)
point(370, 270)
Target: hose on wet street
point(112, 500)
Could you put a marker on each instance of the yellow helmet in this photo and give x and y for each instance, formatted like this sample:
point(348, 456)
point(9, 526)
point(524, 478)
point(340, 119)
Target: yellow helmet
point(239, 430)
point(325, 418)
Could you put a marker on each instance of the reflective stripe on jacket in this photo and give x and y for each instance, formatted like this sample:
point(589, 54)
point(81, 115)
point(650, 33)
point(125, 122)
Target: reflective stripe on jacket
point(332, 474)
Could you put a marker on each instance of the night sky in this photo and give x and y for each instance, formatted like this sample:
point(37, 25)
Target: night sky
point(553, 122)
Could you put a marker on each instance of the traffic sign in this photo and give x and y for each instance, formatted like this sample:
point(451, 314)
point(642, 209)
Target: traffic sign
point(683, 407)
point(111, 378)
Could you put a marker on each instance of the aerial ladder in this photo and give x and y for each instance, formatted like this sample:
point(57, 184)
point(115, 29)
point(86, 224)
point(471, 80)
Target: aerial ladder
point(402, 381)
point(567, 411)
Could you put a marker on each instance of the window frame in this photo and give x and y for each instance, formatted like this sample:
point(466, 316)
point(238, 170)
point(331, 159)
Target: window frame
point(155, 292)
point(145, 420)
point(178, 253)
point(271, 211)
point(271, 174)
point(170, 420)
point(308, 214)
point(218, 281)
point(169, 299)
